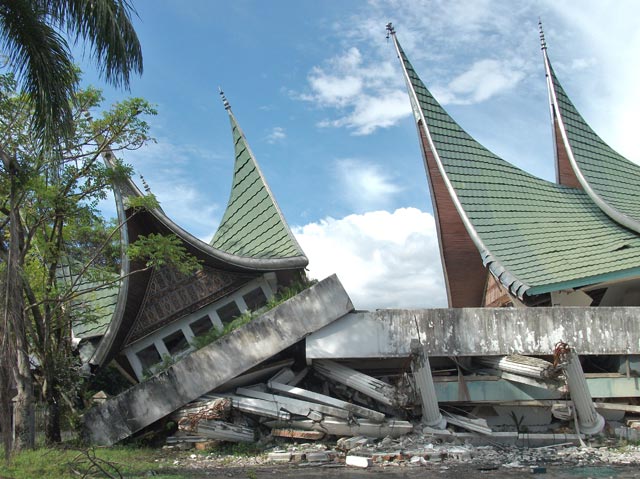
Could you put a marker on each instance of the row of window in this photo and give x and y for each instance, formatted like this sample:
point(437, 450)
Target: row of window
point(176, 343)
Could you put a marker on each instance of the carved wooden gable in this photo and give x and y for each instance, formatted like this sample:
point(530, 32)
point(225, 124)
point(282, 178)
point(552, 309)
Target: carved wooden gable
point(171, 295)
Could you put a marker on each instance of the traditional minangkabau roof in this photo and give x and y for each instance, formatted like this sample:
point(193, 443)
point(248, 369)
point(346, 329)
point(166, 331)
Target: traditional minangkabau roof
point(534, 236)
point(610, 180)
point(252, 225)
point(255, 240)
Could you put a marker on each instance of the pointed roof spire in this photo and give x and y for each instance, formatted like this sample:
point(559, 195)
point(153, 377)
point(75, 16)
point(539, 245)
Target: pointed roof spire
point(253, 225)
point(543, 43)
point(225, 102)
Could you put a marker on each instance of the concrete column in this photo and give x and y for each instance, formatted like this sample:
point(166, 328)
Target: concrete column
point(422, 374)
point(589, 420)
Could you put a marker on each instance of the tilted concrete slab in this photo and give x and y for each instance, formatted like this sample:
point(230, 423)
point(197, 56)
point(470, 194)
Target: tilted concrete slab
point(479, 331)
point(217, 363)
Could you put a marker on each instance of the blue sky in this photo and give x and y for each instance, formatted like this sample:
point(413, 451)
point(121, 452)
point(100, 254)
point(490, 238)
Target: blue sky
point(318, 91)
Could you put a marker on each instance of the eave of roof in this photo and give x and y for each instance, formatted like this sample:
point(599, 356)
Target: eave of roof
point(530, 233)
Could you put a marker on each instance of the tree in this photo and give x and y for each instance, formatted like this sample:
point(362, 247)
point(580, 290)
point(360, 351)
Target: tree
point(57, 225)
point(31, 36)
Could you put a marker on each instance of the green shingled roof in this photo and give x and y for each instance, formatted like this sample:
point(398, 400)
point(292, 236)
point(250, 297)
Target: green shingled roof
point(608, 174)
point(252, 225)
point(534, 235)
point(94, 305)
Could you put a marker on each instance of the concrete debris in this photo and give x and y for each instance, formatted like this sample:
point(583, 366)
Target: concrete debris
point(475, 425)
point(521, 365)
point(367, 385)
point(224, 431)
point(341, 427)
point(358, 461)
point(313, 411)
point(328, 400)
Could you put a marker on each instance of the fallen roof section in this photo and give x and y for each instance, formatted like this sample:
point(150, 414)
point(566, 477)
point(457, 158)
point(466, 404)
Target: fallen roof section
point(217, 363)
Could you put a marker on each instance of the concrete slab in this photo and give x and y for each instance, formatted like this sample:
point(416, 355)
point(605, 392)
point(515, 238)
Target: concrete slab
point(205, 369)
point(478, 331)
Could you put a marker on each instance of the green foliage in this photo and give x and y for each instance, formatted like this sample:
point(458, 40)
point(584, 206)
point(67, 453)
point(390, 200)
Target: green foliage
point(157, 250)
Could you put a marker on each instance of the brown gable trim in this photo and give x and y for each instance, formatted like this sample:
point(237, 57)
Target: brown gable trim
point(464, 273)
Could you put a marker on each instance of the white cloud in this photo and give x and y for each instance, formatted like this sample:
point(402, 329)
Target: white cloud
point(383, 259)
point(484, 79)
point(363, 185)
point(168, 169)
point(367, 96)
point(277, 134)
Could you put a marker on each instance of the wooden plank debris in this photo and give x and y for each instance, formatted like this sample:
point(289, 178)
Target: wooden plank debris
point(328, 400)
point(298, 434)
point(367, 385)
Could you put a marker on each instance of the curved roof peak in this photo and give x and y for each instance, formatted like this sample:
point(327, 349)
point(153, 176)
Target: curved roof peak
point(611, 181)
point(533, 235)
point(253, 224)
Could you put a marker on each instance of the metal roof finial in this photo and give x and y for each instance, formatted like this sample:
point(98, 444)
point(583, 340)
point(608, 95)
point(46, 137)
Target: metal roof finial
point(145, 185)
point(225, 102)
point(390, 30)
point(543, 43)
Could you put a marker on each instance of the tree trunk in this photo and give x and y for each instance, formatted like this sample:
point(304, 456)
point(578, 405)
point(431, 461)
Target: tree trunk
point(52, 416)
point(24, 401)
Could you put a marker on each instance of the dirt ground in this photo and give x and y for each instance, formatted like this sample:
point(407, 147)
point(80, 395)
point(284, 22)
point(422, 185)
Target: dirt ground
point(421, 472)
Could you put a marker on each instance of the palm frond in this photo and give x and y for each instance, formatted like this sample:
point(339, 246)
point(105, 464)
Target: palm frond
point(106, 26)
point(40, 58)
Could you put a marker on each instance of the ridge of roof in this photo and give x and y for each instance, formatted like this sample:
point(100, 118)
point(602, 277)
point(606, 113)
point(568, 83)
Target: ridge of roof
point(253, 225)
point(611, 180)
point(526, 229)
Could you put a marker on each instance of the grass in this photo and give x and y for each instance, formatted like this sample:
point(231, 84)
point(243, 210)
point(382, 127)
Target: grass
point(60, 463)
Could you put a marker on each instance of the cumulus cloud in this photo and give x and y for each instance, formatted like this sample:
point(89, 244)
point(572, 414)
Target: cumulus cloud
point(365, 186)
point(277, 134)
point(383, 259)
point(368, 96)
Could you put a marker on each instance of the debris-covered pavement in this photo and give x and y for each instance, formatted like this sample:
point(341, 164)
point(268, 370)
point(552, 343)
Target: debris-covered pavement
point(413, 456)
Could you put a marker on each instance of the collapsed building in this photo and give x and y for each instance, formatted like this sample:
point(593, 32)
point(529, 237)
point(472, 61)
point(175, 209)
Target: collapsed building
point(541, 333)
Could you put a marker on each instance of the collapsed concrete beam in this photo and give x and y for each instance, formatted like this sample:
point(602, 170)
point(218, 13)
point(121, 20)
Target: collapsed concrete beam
point(552, 385)
point(259, 407)
point(224, 431)
point(472, 331)
point(367, 385)
point(341, 427)
point(474, 425)
point(522, 365)
point(204, 370)
point(296, 406)
point(328, 400)
point(421, 369)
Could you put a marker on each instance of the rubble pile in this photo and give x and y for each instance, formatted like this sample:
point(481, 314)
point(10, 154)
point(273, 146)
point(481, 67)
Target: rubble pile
point(330, 400)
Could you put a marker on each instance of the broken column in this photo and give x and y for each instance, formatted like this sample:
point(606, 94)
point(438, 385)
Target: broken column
point(589, 421)
point(424, 380)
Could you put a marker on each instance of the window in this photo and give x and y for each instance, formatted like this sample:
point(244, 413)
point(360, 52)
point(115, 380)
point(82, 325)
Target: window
point(148, 357)
point(201, 326)
point(255, 299)
point(176, 343)
point(228, 312)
